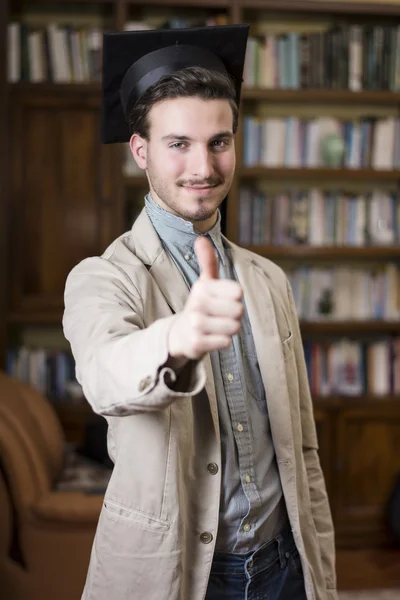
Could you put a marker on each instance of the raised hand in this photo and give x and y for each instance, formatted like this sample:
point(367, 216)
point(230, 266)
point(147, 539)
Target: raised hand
point(212, 313)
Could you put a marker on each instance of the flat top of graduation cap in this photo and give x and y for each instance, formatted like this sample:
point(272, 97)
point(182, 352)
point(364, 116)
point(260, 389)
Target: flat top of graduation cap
point(135, 60)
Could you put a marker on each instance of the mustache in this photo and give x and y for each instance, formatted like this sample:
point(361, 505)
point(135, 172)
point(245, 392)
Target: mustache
point(213, 182)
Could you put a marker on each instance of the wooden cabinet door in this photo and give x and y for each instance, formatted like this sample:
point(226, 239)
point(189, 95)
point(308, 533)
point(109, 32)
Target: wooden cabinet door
point(368, 460)
point(65, 193)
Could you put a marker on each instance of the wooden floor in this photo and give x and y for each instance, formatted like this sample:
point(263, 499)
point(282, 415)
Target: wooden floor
point(368, 569)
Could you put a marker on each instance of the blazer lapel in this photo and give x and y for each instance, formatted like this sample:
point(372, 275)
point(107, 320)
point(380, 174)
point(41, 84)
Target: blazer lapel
point(261, 311)
point(149, 250)
point(170, 281)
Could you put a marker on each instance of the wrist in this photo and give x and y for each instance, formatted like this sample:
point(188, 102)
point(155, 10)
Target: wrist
point(176, 358)
point(176, 363)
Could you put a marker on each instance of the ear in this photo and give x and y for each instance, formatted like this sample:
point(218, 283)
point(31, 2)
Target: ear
point(138, 146)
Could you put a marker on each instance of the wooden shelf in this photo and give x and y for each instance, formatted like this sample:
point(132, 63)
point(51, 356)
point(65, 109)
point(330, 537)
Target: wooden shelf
point(48, 3)
point(307, 327)
point(350, 327)
point(53, 317)
point(323, 95)
point(271, 95)
point(332, 402)
point(310, 6)
point(56, 88)
point(328, 252)
point(331, 7)
point(168, 3)
point(216, 4)
point(306, 173)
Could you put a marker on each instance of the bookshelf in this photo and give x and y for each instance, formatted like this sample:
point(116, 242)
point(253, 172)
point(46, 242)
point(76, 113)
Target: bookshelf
point(328, 253)
point(350, 327)
point(320, 174)
point(46, 230)
point(370, 97)
point(4, 185)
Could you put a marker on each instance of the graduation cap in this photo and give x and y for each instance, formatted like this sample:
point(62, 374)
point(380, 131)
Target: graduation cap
point(135, 60)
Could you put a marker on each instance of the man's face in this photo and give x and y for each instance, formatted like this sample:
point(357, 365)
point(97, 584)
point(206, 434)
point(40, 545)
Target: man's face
point(189, 158)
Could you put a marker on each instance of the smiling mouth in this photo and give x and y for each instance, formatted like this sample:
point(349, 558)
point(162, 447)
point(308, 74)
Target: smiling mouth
point(200, 187)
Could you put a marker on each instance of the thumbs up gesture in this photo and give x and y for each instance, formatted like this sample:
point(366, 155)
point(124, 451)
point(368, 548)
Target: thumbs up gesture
point(212, 312)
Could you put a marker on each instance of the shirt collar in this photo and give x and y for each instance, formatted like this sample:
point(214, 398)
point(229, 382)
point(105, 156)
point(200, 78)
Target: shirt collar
point(180, 232)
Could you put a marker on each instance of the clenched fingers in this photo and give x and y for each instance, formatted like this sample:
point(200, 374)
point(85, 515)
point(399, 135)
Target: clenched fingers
point(206, 325)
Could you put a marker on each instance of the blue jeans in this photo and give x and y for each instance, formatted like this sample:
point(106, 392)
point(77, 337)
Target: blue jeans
point(273, 572)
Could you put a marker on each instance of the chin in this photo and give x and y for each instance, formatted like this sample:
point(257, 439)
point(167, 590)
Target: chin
point(203, 211)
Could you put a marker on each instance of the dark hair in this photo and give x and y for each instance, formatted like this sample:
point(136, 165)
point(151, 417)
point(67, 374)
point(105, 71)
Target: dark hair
point(189, 82)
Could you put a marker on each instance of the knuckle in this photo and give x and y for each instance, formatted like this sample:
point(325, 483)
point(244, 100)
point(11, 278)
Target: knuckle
point(239, 311)
point(225, 341)
point(197, 322)
point(234, 329)
point(233, 289)
point(197, 345)
point(201, 287)
point(238, 290)
point(236, 325)
point(197, 297)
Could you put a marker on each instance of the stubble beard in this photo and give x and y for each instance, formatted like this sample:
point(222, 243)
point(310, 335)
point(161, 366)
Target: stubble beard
point(203, 213)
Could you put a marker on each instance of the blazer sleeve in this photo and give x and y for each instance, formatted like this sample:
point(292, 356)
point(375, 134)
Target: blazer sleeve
point(120, 363)
point(319, 499)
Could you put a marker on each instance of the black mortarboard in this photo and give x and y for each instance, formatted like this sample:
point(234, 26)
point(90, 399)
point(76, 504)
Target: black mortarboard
point(135, 60)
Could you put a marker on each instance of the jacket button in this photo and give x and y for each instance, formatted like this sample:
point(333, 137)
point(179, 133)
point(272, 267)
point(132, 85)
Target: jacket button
point(206, 537)
point(212, 468)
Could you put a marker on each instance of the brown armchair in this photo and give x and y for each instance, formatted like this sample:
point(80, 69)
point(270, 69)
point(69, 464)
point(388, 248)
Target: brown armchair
point(45, 534)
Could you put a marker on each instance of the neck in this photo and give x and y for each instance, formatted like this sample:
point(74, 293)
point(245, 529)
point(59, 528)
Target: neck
point(204, 226)
point(199, 226)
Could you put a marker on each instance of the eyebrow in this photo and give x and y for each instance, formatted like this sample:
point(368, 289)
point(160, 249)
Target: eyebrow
point(186, 138)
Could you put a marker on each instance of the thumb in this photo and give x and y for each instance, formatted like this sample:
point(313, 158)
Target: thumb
point(206, 258)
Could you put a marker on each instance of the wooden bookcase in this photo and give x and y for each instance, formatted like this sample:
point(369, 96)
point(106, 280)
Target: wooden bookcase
point(49, 133)
point(3, 183)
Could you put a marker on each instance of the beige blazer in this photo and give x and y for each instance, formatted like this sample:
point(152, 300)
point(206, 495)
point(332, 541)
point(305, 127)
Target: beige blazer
point(161, 497)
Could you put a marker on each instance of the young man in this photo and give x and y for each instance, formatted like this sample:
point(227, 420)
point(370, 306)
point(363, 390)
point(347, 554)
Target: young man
point(190, 347)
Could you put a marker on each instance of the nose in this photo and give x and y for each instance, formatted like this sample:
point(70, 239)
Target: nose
point(202, 163)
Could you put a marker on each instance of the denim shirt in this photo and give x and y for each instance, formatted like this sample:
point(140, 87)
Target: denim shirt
point(252, 509)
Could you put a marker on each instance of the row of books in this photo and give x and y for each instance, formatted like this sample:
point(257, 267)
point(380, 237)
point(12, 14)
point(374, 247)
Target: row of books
point(55, 53)
point(198, 19)
point(353, 57)
point(62, 53)
point(52, 372)
point(368, 142)
point(353, 368)
point(342, 367)
point(341, 293)
point(318, 217)
point(346, 56)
